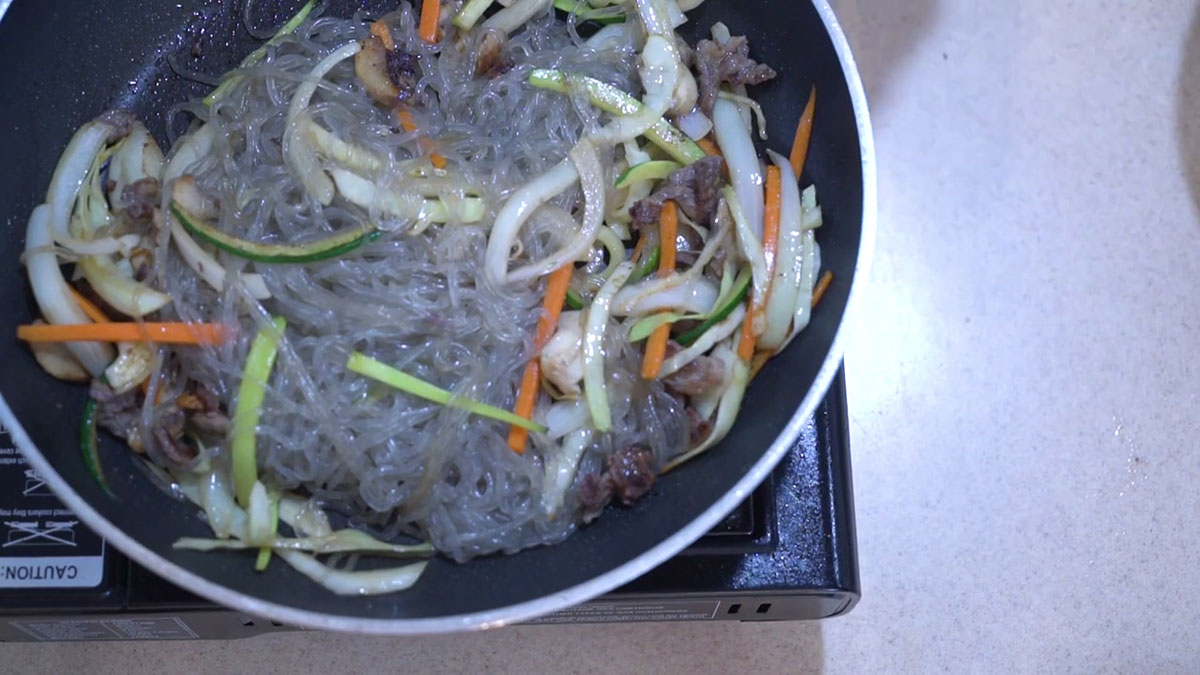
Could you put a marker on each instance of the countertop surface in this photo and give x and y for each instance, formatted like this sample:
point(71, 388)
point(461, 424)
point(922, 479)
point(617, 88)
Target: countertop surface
point(1023, 377)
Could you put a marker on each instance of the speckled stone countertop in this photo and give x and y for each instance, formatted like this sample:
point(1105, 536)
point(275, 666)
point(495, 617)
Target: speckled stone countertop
point(1023, 380)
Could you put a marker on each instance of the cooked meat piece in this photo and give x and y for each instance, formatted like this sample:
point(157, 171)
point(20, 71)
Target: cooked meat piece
point(404, 70)
point(211, 423)
point(119, 414)
point(630, 472)
point(488, 62)
point(168, 433)
point(715, 64)
point(698, 428)
point(390, 76)
point(203, 410)
point(695, 188)
point(595, 492)
point(140, 198)
point(697, 377)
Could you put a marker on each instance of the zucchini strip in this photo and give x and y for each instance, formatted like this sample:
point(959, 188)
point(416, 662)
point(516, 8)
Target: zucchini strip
point(616, 102)
point(332, 246)
point(248, 409)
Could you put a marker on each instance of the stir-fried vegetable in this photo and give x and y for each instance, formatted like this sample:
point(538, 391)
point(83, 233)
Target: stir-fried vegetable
point(431, 11)
point(89, 449)
point(376, 370)
point(160, 333)
point(470, 13)
point(585, 11)
point(332, 246)
point(594, 388)
point(656, 346)
point(647, 171)
point(53, 294)
point(751, 331)
point(803, 134)
point(616, 102)
point(724, 307)
point(251, 394)
point(556, 293)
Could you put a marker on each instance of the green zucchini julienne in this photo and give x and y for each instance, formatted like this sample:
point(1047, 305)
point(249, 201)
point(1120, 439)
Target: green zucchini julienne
point(89, 448)
point(737, 295)
point(332, 246)
point(616, 102)
point(248, 409)
point(377, 370)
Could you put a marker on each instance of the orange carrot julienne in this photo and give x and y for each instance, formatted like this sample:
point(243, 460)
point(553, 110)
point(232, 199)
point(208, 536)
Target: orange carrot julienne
point(770, 243)
point(656, 345)
point(380, 30)
point(162, 333)
point(822, 286)
point(556, 294)
point(746, 343)
point(431, 11)
point(410, 125)
point(91, 310)
point(708, 147)
point(803, 134)
point(771, 216)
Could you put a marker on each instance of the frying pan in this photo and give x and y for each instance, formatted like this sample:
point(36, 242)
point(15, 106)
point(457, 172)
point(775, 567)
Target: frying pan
point(67, 61)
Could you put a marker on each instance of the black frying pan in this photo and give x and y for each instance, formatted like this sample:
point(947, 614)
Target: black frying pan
point(68, 60)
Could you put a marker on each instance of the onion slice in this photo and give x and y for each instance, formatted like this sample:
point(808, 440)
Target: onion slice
point(53, 295)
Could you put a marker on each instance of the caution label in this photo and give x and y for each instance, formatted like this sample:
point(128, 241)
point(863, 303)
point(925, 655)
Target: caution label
point(42, 543)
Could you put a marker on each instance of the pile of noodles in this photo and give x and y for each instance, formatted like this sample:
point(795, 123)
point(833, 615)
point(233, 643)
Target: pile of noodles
point(388, 462)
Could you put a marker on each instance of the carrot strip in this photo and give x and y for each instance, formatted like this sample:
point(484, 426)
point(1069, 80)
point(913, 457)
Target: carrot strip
point(708, 147)
point(761, 358)
point(747, 341)
point(774, 203)
point(770, 243)
point(656, 345)
point(430, 15)
point(380, 30)
point(803, 134)
point(822, 286)
point(638, 248)
point(410, 125)
point(556, 294)
point(162, 333)
point(93, 312)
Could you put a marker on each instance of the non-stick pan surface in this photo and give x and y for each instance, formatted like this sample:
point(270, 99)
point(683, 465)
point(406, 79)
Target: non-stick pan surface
point(64, 62)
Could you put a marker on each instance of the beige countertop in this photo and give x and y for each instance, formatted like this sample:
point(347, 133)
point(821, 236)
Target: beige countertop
point(1023, 379)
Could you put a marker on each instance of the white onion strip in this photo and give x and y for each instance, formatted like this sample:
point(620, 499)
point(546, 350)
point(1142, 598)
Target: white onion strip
point(586, 159)
point(594, 389)
point(785, 281)
point(745, 171)
point(53, 295)
point(300, 155)
point(705, 342)
point(189, 151)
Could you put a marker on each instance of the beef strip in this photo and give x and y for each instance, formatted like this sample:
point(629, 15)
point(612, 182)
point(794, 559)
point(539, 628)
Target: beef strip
point(404, 71)
point(695, 188)
point(700, 375)
point(630, 472)
point(698, 427)
point(390, 76)
point(119, 414)
point(141, 197)
point(595, 492)
point(731, 63)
